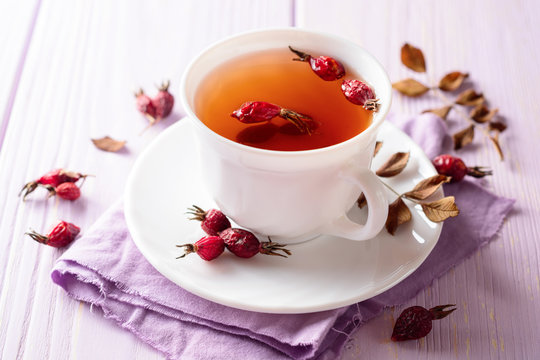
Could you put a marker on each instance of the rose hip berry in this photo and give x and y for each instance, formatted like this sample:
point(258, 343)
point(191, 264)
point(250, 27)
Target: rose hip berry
point(52, 178)
point(360, 93)
point(325, 67)
point(245, 244)
point(415, 322)
point(61, 235)
point(455, 167)
point(145, 105)
point(252, 112)
point(208, 248)
point(212, 221)
point(163, 102)
point(66, 191)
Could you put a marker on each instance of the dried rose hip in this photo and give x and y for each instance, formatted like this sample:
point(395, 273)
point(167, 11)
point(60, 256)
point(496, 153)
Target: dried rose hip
point(52, 178)
point(415, 322)
point(163, 102)
point(212, 221)
point(325, 67)
point(359, 93)
point(61, 235)
point(66, 191)
point(253, 112)
point(145, 105)
point(245, 244)
point(208, 248)
point(455, 167)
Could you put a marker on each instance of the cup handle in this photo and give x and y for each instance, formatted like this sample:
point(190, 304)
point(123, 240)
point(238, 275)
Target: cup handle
point(375, 194)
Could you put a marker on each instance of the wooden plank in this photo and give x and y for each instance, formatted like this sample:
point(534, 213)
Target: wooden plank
point(17, 19)
point(84, 61)
point(497, 289)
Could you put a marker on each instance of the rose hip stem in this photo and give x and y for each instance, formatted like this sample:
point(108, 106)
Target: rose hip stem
point(359, 93)
point(253, 112)
point(325, 67)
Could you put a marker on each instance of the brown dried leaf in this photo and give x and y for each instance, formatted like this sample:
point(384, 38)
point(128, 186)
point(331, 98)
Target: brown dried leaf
point(413, 58)
point(361, 202)
point(495, 140)
point(452, 81)
point(410, 87)
point(440, 112)
point(394, 165)
point(440, 210)
point(470, 97)
point(378, 146)
point(464, 137)
point(398, 214)
point(481, 114)
point(497, 126)
point(108, 144)
point(427, 187)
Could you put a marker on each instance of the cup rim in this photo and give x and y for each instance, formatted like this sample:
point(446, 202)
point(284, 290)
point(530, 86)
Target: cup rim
point(378, 117)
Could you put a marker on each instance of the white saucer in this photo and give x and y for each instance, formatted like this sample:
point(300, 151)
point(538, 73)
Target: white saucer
point(322, 274)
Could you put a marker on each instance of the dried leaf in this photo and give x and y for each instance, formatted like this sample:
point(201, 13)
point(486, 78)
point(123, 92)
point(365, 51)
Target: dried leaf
point(361, 202)
point(497, 126)
point(440, 210)
point(470, 98)
point(427, 187)
point(495, 140)
point(398, 214)
point(413, 58)
point(410, 87)
point(378, 146)
point(394, 165)
point(108, 144)
point(452, 81)
point(463, 137)
point(440, 112)
point(481, 114)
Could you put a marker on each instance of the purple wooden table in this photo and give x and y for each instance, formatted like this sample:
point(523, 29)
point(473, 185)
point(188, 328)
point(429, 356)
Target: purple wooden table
point(68, 70)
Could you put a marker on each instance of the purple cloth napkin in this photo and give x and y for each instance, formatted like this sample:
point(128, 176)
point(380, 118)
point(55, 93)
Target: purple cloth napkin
point(105, 269)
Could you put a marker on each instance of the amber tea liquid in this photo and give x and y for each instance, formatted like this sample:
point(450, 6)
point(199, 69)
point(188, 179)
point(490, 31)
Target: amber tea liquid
point(273, 76)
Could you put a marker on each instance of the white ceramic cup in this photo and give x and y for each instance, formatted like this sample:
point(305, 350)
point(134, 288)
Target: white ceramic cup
point(292, 196)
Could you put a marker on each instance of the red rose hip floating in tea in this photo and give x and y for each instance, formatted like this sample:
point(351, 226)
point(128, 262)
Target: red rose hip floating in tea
point(61, 235)
point(325, 67)
point(208, 248)
point(253, 112)
point(455, 167)
point(360, 93)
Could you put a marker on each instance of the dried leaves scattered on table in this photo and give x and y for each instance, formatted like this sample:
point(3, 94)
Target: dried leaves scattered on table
point(109, 144)
point(398, 211)
point(452, 81)
point(410, 87)
point(413, 58)
point(463, 137)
